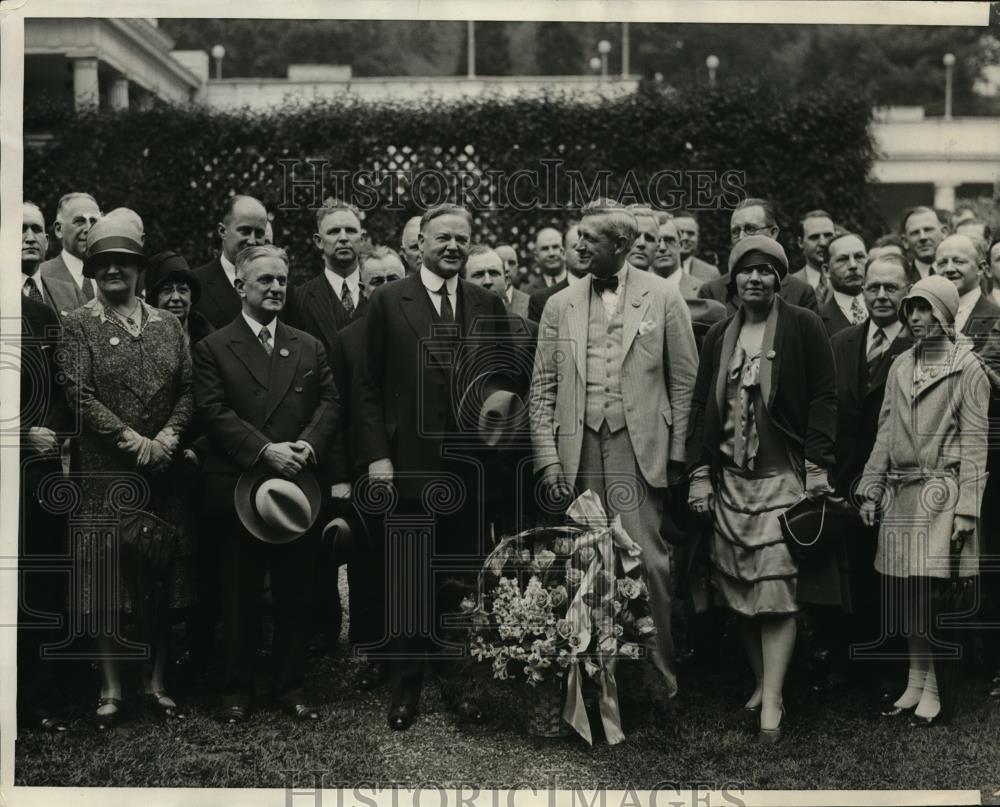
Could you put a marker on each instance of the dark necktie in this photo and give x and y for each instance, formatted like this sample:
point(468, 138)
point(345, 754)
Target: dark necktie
point(88, 289)
point(822, 287)
point(603, 284)
point(447, 312)
point(346, 300)
point(31, 290)
point(265, 340)
point(875, 351)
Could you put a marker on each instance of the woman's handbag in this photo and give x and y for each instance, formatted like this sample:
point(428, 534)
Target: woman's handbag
point(147, 542)
point(812, 526)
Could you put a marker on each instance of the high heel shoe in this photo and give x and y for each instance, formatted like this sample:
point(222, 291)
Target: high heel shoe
point(165, 707)
point(772, 736)
point(110, 719)
point(896, 711)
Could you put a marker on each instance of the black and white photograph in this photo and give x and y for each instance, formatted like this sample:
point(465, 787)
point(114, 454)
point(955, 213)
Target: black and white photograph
point(575, 402)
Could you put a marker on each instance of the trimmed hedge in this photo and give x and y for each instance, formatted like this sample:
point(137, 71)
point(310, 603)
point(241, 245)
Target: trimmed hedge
point(176, 165)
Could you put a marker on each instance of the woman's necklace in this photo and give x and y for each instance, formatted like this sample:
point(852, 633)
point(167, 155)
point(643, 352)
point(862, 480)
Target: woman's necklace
point(128, 318)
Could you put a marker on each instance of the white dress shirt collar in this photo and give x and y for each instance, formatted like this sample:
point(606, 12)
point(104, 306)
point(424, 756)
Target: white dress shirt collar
point(509, 294)
point(813, 277)
point(686, 264)
point(552, 280)
point(965, 305)
point(891, 331)
point(257, 327)
point(75, 267)
point(845, 301)
point(353, 281)
point(38, 284)
point(432, 283)
point(229, 268)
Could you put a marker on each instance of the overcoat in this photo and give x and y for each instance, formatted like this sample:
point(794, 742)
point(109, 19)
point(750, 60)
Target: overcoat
point(930, 455)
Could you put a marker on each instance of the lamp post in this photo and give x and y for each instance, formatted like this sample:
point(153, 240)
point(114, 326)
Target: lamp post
point(218, 53)
point(604, 48)
point(712, 63)
point(470, 34)
point(949, 66)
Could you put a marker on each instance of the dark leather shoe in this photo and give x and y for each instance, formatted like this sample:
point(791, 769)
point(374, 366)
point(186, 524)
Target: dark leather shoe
point(234, 714)
point(401, 716)
point(918, 722)
point(110, 719)
point(52, 725)
point(300, 711)
point(163, 706)
point(369, 677)
point(470, 710)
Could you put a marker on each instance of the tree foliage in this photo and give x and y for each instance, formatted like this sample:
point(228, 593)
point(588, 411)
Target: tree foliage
point(176, 166)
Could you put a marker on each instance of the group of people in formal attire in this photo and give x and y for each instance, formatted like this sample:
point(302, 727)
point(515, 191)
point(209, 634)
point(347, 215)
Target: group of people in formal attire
point(403, 410)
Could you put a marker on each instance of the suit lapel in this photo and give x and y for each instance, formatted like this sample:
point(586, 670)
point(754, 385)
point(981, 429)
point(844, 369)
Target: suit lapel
point(284, 362)
point(853, 358)
point(324, 306)
point(469, 309)
point(636, 305)
point(577, 319)
point(218, 288)
point(981, 318)
point(415, 305)
point(729, 339)
point(248, 350)
point(899, 344)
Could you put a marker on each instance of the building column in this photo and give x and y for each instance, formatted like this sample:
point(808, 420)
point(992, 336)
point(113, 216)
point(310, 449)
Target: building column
point(944, 196)
point(86, 88)
point(118, 94)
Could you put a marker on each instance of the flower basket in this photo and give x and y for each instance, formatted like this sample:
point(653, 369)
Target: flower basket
point(561, 605)
point(548, 700)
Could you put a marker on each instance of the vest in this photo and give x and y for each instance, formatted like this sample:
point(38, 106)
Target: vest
point(604, 365)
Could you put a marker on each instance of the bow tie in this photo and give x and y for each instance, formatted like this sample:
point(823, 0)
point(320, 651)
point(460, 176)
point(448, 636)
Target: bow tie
point(603, 284)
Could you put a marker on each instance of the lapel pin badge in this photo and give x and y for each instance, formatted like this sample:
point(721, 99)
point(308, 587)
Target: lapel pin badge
point(114, 340)
point(283, 351)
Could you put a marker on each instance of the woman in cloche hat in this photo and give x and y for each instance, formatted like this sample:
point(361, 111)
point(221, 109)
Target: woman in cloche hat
point(128, 374)
point(926, 474)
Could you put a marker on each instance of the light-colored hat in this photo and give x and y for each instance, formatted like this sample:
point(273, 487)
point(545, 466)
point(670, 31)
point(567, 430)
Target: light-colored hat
point(275, 509)
point(760, 247)
point(940, 293)
point(112, 234)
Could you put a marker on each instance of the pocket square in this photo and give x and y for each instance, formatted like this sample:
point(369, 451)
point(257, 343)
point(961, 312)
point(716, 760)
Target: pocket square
point(646, 326)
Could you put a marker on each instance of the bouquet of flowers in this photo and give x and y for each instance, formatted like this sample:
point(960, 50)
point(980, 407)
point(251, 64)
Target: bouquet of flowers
point(557, 603)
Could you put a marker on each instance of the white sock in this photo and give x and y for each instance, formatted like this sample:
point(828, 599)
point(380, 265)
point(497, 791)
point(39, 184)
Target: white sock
point(914, 689)
point(930, 704)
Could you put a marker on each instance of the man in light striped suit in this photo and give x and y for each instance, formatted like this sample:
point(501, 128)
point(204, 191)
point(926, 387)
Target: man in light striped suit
point(614, 373)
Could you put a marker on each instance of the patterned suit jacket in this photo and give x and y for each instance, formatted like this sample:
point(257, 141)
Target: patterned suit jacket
point(659, 365)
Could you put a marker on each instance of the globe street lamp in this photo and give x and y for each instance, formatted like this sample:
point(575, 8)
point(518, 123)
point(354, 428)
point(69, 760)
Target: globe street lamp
point(949, 65)
point(595, 63)
point(712, 63)
point(604, 48)
point(218, 52)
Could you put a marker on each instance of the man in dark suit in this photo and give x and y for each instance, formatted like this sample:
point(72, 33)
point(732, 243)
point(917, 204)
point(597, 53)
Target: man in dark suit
point(335, 296)
point(818, 231)
point(424, 334)
point(864, 353)
point(45, 416)
point(76, 214)
point(244, 220)
point(688, 234)
point(755, 216)
point(550, 260)
point(60, 295)
point(574, 272)
point(264, 394)
point(922, 230)
point(845, 304)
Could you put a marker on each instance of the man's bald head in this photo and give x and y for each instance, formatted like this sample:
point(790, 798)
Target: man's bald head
point(244, 221)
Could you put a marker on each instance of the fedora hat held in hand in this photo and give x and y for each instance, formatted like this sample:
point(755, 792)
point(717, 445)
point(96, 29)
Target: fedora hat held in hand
point(275, 509)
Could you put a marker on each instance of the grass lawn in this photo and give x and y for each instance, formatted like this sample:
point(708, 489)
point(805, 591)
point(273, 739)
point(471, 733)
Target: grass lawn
point(832, 742)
